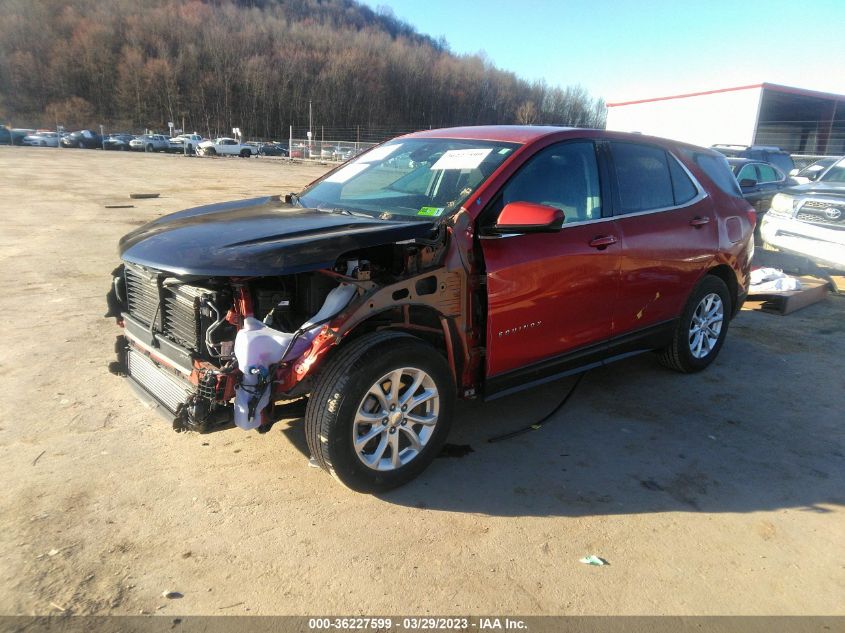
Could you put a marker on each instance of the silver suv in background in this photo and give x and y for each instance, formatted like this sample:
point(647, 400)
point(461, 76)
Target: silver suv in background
point(150, 143)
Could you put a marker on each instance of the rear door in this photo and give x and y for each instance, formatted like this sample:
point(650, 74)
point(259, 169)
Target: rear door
point(550, 294)
point(668, 234)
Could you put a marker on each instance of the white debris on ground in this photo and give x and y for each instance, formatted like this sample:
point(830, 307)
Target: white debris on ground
point(772, 280)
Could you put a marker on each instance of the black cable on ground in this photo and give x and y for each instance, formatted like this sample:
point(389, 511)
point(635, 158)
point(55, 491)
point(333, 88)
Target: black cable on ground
point(536, 426)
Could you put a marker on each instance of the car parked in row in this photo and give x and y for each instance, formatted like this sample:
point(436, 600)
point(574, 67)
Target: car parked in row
point(272, 149)
point(185, 143)
point(813, 171)
point(83, 139)
point(763, 153)
point(809, 219)
point(479, 262)
point(118, 142)
point(225, 146)
point(42, 139)
point(759, 182)
point(150, 143)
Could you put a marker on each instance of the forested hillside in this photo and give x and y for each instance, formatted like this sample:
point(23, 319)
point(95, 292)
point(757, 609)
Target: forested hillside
point(255, 64)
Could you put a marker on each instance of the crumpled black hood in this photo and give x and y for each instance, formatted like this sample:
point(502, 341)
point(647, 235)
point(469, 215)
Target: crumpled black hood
point(257, 237)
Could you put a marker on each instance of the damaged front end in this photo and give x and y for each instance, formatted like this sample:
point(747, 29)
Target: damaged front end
point(209, 352)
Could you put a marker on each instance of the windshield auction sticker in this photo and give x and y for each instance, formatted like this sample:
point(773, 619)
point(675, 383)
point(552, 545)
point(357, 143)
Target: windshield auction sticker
point(345, 173)
point(461, 159)
point(431, 211)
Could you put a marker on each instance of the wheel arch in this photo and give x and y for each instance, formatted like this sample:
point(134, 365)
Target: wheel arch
point(726, 274)
point(419, 320)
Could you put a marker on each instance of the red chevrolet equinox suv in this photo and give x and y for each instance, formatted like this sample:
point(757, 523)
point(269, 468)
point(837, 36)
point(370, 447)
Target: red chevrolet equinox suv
point(464, 262)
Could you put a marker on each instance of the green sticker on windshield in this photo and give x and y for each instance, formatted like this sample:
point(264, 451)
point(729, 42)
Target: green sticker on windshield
point(431, 211)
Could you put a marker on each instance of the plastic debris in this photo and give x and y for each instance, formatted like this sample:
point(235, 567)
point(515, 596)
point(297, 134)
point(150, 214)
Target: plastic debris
point(771, 280)
point(592, 559)
point(53, 552)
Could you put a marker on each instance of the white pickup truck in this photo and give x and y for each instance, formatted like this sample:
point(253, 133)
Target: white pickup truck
point(225, 146)
point(185, 143)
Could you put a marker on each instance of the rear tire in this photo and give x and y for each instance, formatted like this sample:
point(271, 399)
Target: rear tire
point(245, 153)
point(701, 329)
point(149, 147)
point(355, 423)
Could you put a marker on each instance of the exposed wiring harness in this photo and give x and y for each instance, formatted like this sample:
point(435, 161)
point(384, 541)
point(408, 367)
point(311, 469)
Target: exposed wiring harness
point(536, 426)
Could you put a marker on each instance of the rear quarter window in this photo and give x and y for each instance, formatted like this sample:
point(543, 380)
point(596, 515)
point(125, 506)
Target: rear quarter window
point(719, 171)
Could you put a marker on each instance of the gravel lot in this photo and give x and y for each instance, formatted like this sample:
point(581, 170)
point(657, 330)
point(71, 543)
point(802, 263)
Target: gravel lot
point(718, 493)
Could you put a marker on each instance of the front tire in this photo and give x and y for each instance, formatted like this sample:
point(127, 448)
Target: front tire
point(702, 328)
point(380, 411)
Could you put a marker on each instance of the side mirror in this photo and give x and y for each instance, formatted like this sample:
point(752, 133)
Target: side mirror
point(747, 183)
point(813, 176)
point(794, 172)
point(529, 217)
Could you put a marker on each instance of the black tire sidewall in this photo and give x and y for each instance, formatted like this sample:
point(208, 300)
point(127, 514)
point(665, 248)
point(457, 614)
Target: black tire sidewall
point(362, 374)
point(710, 284)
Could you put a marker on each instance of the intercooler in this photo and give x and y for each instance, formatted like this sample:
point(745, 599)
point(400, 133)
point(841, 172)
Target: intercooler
point(167, 320)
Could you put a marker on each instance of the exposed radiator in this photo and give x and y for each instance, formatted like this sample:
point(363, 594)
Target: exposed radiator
point(165, 386)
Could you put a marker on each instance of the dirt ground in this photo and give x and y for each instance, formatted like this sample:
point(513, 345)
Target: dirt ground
point(717, 493)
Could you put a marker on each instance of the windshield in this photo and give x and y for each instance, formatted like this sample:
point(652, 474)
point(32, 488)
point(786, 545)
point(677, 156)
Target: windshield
point(410, 177)
point(836, 173)
point(819, 165)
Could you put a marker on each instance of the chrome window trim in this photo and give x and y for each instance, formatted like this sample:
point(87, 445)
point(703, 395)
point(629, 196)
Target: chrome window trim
point(700, 195)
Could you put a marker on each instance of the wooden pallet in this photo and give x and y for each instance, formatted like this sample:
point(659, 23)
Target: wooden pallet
point(812, 291)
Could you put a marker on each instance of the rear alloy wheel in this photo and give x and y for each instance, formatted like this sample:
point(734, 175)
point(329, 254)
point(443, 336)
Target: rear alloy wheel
point(380, 412)
point(701, 329)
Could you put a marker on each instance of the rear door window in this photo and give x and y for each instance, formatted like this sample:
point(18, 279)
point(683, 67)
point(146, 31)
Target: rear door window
point(642, 177)
point(767, 173)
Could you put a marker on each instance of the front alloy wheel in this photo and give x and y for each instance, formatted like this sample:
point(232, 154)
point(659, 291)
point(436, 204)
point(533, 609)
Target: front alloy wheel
point(380, 410)
point(396, 419)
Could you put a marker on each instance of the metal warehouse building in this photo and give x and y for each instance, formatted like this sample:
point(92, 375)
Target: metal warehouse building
point(799, 121)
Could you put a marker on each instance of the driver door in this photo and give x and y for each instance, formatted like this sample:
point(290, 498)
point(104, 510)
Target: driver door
point(550, 296)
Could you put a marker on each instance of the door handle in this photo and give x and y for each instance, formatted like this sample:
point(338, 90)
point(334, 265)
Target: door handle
point(603, 241)
point(699, 221)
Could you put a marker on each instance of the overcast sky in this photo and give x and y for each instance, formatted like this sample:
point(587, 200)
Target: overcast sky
point(634, 49)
